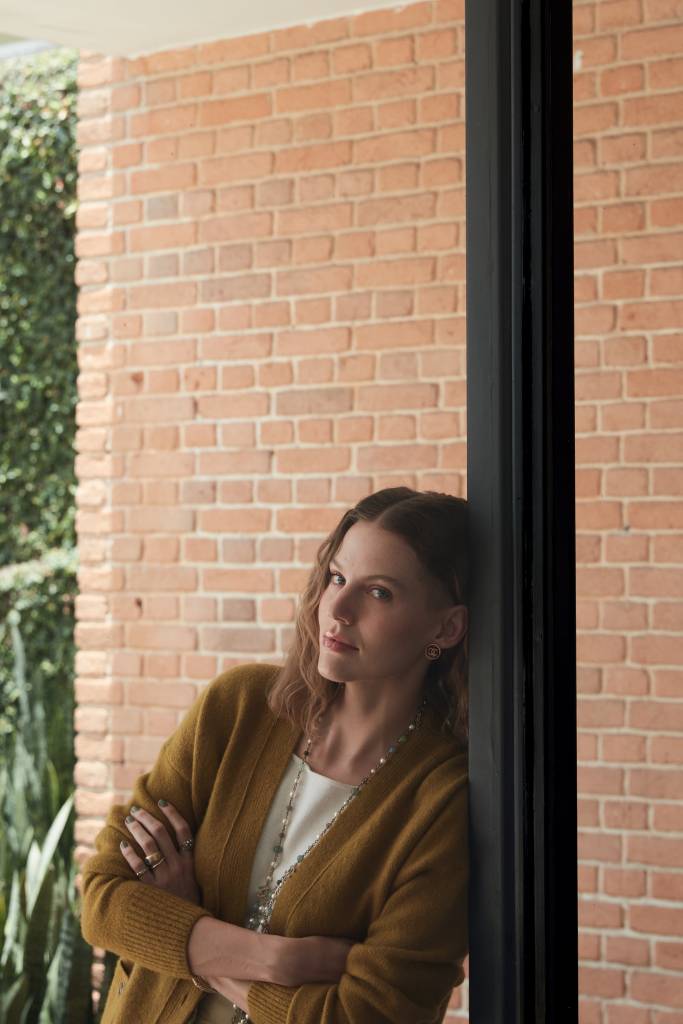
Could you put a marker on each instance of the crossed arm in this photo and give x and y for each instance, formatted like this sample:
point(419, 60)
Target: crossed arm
point(414, 951)
point(405, 970)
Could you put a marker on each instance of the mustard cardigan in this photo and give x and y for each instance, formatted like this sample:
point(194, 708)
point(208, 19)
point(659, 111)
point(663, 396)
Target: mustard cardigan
point(391, 873)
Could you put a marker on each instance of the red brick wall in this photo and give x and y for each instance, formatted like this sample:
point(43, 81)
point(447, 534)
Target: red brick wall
point(629, 386)
point(271, 254)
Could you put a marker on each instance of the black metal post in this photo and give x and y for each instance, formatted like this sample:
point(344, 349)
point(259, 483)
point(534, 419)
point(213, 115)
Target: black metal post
point(520, 406)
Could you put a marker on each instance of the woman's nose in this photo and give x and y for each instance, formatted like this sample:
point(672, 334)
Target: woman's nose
point(341, 607)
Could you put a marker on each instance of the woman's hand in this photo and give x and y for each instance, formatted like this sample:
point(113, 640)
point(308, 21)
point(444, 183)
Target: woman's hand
point(313, 958)
point(176, 873)
point(235, 991)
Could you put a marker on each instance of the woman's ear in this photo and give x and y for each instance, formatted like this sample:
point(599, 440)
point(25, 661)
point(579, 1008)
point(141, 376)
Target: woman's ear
point(454, 627)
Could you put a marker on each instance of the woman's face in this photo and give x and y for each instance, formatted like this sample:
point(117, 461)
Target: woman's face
point(379, 599)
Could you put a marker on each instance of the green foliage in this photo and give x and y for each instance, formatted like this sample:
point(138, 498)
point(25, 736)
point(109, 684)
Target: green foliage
point(38, 597)
point(38, 366)
point(45, 962)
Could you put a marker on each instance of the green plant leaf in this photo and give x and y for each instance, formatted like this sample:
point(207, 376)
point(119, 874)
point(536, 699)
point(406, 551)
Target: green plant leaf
point(45, 855)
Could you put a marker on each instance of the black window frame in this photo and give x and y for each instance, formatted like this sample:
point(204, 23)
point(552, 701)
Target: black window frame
point(523, 915)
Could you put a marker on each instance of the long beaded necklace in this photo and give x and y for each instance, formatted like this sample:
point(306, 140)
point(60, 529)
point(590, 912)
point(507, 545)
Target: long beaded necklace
point(262, 908)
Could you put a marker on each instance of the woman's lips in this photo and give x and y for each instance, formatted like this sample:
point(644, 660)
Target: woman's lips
point(334, 645)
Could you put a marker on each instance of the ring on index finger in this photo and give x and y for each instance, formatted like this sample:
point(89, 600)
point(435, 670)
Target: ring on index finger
point(187, 844)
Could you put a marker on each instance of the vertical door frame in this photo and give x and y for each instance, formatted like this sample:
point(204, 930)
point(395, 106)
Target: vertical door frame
point(520, 485)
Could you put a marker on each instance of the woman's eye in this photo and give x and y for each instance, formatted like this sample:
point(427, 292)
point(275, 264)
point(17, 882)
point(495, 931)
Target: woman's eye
point(384, 593)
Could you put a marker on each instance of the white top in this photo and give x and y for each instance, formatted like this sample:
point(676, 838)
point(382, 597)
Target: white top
point(317, 799)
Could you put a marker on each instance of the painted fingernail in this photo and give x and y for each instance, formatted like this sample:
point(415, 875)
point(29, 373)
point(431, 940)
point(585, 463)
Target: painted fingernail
point(129, 819)
point(163, 803)
point(134, 809)
point(124, 843)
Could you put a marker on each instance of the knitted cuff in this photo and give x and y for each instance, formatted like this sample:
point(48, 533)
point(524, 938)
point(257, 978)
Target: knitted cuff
point(269, 1003)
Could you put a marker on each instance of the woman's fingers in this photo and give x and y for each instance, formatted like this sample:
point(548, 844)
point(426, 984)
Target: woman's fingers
point(175, 872)
point(136, 863)
point(149, 833)
point(182, 829)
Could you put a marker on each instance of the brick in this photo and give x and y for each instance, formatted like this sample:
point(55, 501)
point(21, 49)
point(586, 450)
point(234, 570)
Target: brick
point(623, 218)
point(585, 83)
point(624, 815)
point(669, 955)
point(246, 167)
point(654, 180)
point(162, 237)
point(241, 108)
point(667, 818)
point(270, 72)
point(308, 281)
point(600, 185)
point(666, 414)
point(667, 886)
point(649, 986)
point(658, 649)
point(593, 118)
point(603, 982)
point(382, 84)
point(600, 780)
point(623, 284)
point(322, 95)
point(444, 107)
point(594, 254)
point(620, 881)
point(404, 208)
point(393, 145)
point(668, 281)
point(233, 50)
point(618, 14)
point(584, 156)
point(653, 447)
point(615, 81)
point(665, 74)
point(667, 143)
point(652, 42)
point(651, 110)
point(595, 913)
point(237, 226)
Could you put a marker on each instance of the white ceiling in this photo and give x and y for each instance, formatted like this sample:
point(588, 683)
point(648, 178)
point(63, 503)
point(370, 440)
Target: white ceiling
point(133, 27)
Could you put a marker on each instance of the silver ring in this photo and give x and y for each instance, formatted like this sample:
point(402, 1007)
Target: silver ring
point(141, 873)
point(188, 844)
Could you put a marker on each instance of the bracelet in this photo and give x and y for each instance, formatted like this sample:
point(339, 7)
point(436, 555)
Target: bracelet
point(202, 983)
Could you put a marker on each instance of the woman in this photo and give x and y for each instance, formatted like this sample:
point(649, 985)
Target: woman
point(298, 852)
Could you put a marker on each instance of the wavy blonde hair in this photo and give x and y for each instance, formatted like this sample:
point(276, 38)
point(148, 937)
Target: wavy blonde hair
point(435, 527)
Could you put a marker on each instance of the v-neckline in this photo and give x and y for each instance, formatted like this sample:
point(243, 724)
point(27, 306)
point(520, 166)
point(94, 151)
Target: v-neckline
point(272, 756)
point(319, 775)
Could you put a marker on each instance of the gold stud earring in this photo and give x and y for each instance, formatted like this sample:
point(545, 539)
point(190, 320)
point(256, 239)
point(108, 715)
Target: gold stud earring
point(432, 651)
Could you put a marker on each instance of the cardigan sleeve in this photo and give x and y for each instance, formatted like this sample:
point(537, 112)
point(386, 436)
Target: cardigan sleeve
point(141, 922)
point(413, 954)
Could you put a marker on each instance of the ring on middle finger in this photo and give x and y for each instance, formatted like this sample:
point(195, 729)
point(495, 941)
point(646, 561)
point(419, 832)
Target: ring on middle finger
point(152, 859)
